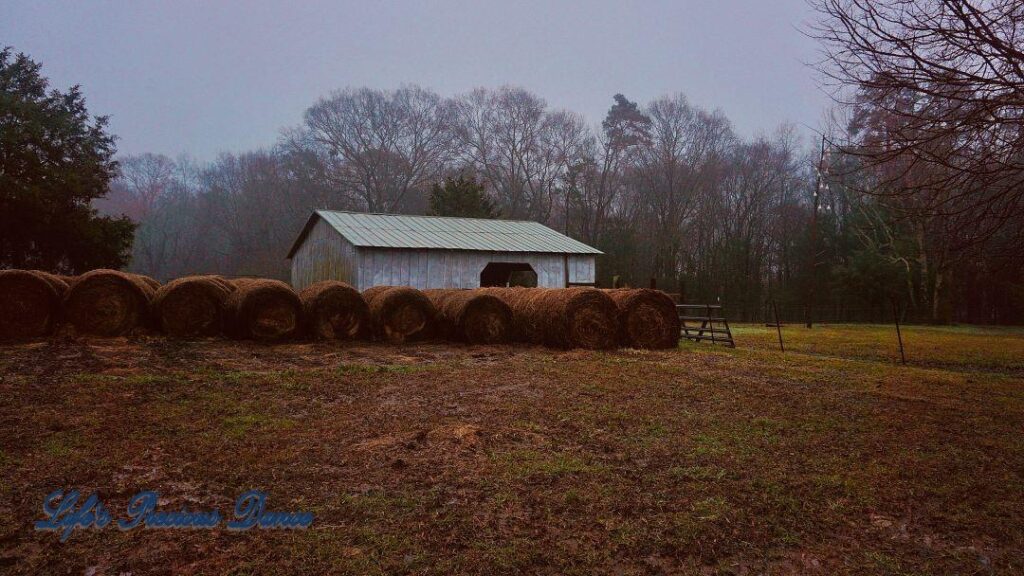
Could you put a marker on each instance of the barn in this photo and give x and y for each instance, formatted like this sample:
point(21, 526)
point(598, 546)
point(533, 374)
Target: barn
point(367, 250)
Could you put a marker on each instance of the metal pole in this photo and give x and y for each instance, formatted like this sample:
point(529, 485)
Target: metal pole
point(778, 326)
point(899, 336)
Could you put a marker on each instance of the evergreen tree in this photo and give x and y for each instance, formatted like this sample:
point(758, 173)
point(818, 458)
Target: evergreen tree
point(625, 125)
point(462, 196)
point(54, 160)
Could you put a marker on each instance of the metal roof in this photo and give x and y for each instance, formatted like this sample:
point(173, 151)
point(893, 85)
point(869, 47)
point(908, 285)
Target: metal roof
point(444, 233)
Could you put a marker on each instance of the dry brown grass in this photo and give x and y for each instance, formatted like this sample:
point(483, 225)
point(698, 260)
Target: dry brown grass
point(438, 459)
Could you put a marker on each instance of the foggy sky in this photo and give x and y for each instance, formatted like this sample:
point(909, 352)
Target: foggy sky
point(206, 77)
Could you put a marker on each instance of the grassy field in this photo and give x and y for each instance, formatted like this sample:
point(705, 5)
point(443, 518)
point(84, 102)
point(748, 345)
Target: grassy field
point(434, 459)
point(954, 347)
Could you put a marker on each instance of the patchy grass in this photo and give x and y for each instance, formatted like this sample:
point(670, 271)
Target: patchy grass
point(436, 459)
point(964, 347)
point(379, 368)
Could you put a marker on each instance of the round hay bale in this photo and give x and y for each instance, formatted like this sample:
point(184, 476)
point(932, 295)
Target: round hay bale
point(646, 318)
point(191, 306)
point(263, 309)
point(333, 310)
point(472, 316)
point(561, 317)
point(107, 302)
point(30, 303)
point(526, 320)
point(222, 281)
point(152, 282)
point(400, 314)
point(58, 282)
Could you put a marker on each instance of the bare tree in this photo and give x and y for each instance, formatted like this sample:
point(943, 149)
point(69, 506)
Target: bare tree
point(142, 179)
point(381, 145)
point(599, 179)
point(942, 84)
point(520, 149)
point(682, 162)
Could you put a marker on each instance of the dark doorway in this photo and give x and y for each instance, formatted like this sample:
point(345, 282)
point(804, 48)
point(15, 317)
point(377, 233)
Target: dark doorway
point(508, 274)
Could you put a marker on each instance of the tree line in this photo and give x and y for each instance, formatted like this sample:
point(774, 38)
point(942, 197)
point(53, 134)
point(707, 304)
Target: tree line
point(668, 190)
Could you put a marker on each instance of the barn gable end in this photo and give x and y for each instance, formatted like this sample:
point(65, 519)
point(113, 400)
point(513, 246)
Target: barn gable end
point(323, 254)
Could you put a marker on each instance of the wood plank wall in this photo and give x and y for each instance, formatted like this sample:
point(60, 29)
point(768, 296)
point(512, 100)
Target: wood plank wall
point(325, 254)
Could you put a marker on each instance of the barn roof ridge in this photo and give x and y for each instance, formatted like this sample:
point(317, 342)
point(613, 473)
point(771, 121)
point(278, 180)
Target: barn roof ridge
point(426, 216)
point(408, 231)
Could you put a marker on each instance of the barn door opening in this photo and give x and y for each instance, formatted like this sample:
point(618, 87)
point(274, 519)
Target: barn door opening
point(508, 274)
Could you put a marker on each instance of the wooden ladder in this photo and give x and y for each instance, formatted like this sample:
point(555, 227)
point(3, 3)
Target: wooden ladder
point(713, 325)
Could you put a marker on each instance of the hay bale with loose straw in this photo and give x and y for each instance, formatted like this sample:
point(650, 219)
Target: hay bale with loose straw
point(333, 310)
point(561, 317)
point(222, 281)
point(58, 282)
point(472, 316)
point(152, 282)
point(108, 302)
point(526, 320)
point(263, 309)
point(646, 318)
point(191, 306)
point(400, 314)
point(30, 303)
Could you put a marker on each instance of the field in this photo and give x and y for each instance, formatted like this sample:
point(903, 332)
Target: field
point(439, 459)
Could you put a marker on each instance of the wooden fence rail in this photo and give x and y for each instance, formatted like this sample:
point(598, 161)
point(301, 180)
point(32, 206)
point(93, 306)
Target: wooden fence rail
point(713, 325)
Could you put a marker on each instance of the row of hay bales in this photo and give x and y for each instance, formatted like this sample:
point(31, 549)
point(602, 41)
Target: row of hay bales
point(112, 303)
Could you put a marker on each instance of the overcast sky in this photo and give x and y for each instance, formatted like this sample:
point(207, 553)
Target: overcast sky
point(205, 77)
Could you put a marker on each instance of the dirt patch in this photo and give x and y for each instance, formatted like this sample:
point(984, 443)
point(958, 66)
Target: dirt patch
point(439, 459)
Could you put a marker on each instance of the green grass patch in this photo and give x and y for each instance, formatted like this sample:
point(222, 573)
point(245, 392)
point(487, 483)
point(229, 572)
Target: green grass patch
point(348, 369)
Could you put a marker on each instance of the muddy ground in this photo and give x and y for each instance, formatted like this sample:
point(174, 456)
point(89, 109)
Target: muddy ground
point(440, 459)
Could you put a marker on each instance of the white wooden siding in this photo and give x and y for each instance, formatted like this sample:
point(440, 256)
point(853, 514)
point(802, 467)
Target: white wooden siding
point(581, 269)
point(325, 254)
point(461, 268)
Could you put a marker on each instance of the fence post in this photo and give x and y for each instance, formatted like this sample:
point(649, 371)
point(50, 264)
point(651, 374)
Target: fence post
point(899, 336)
point(711, 324)
point(778, 326)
